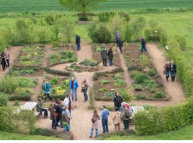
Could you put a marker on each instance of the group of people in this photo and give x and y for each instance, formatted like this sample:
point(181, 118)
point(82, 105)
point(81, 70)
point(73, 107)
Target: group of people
point(123, 112)
point(5, 58)
point(107, 55)
point(170, 69)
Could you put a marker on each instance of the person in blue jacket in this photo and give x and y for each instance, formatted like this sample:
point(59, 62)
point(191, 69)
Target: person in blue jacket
point(104, 118)
point(73, 88)
point(117, 38)
point(78, 42)
point(47, 91)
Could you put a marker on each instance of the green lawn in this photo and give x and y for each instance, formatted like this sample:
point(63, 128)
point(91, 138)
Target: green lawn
point(48, 5)
point(13, 136)
point(183, 134)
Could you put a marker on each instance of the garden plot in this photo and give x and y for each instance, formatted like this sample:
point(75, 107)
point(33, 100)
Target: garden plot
point(146, 82)
point(97, 54)
point(107, 83)
point(31, 56)
point(26, 72)
point(59, 86)
point(62, 55)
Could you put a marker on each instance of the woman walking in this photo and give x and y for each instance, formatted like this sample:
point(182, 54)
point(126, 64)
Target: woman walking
point(117, 119)
point(95, 123)
point(173, 71)
point(120, 45)
point(84, 86)
point(110, 55)
point(3, 60)
point(52, 115)
point(7, 57)
point(68, 103)
point(167, 69)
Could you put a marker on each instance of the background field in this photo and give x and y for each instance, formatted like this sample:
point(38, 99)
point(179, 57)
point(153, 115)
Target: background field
point(47, 5)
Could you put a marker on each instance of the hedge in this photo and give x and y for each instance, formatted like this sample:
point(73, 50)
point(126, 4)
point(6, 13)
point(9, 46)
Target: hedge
point(23, 122)
point(167, 119)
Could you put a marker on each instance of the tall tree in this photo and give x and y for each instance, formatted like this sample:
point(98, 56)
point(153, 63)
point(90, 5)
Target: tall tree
point(80, 5)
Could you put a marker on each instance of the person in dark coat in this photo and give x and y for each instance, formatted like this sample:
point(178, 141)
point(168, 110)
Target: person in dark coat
point(78, 42)
point(117, 38)
point(53, 115)
point(173, 71)
point(167, 68)
point(117, 101)
point(3, 60)
point(110, 55)
point(143, 45)
point(104, 56)
point(40, 108)
point(120, 45)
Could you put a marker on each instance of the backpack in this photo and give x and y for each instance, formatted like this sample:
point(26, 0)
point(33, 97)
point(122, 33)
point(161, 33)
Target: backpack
point(127, 113)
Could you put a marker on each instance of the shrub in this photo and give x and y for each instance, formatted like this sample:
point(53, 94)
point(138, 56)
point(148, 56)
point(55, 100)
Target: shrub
point(138, 87)
point(91, 101)
point(152, 72)
point(117, 76)
point(138, 24)
point(182, 41)
point(44, 35)
point(145, 61)
point(16, 103)
point(120, 83)
point(8, 85)
point(159, 95)
point(109, 94)
point(134, 74)
point(54, 81)
point(3, 43)
point(25, 82)
point(150, 83)
point(3, 99)
point(100, 33)
point(102, 82)
point(141, 78)
point(128, 33)
point(139, 97)
point(116, 24)
point(90, 62)
point(126, 94)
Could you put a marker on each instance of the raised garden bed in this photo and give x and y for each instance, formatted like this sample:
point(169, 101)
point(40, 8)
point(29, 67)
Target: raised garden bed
point(146, 82)
point(107, 83)
point(31, 56)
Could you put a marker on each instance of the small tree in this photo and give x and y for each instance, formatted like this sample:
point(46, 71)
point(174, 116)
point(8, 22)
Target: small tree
point(80, 5)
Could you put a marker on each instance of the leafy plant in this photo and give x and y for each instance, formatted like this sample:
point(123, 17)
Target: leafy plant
point(103, 82)
point(16, 103)
point(134, 74)
point(25, 82)
point(139, 97)
point(120, 83)
point(138, 87)
point(145, 61)
point(89, 62)
point(8, 85)
point(126, 94)
point(117, 76)
point(109, 94)
point(139, 79)
point(54, 81)
point(3, 99)
point(159, 95)
point(152, 72)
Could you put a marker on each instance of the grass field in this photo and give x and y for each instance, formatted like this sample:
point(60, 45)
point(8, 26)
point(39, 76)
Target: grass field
point(183, 134)
point(13, 136)
point(48, 5)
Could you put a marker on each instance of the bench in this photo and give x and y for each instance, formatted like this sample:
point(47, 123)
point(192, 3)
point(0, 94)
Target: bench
point(29, 106)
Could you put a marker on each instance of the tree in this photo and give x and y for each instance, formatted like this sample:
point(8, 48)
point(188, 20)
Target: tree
point(80, 5)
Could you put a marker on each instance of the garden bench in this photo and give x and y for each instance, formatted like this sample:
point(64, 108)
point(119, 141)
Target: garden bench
point(29, 106)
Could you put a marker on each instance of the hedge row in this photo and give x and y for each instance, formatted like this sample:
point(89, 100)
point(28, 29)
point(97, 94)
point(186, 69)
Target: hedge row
point(164, 120)
point(23, 122)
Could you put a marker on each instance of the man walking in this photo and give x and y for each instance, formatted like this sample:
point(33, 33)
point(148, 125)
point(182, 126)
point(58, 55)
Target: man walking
point(104, 117)
point(117, 101)
point(78, 42)
point(73, 88)
point(104, 56)
point(117, 38)
point(143, 45)
point(173, 71)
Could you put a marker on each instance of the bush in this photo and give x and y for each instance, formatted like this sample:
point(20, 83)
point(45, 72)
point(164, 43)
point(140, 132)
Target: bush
point(89, 62)
point(8, 85)
point(141, 78)
point(128, 33)
point(100, 34)
point(145, 61)
point(102, 82)
point(54, 81)
point(181, 40)
point(152, 72)
point(25, 82)
point(116, 24)
point(3, 99)
point(126, 94)
point(138, 87)
point(139, 97)
point(44, 35)
point(120, 83)
point(134, 74)
point(159, 95)
point(91, 101)
point(16, 103)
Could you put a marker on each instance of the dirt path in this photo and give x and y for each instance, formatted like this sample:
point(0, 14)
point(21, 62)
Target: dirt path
point(14, 52)
point(46, 56)
point(84, 53)
point(38, 88)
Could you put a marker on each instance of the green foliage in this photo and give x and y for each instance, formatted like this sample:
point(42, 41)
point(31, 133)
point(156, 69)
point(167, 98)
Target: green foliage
point(3, 99)
point(8, 85)
point(44, 35)
point(128, 33)
point(109, 94)
point(90, 62)
point(103, 82)
point(54, 81)
point(139, 79)
point(91, 101)
point(126, 94)
point(133, 74)
point(145, 61)
point(16, 103)
point(138, 87)
point(120, 83)
point(25, 82)
point(138, 25)
point(152, 72)
point(159, 95)
point(139, 97)
point(181, 40)
point(100, 33)
point(116, 24)
point(3, 43)
point(150, 83)
point(118, 76)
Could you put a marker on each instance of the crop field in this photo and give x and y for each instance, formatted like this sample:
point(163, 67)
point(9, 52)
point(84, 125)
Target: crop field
point(48, 5)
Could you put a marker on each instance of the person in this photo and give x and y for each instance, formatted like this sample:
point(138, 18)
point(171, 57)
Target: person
point(7, 57)
point(59, 109)
point(104, 118)
point(84, 86)
point(78, 42)
point(104, 56)
point(95, 123)
point(173, 71)
point(117, 101)
point(52, 115)
point(47, 91)
point(65, 119)
point(40, 108)
point(167, 68)
point(73, 88)
point(110, 55)
point(117, 37)
point(143, 45)
point(68, 103)
point(117, 119)
point(126, 113)
point(3, 60)
point(120, 45)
